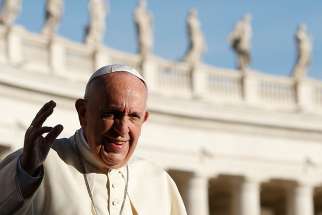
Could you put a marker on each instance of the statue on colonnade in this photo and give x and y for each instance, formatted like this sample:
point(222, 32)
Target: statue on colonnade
point(304, 50)
point(197, 44)
point(240, 41)
point(94, 32)
point(54, 11)
point(144, 27)
point(9, 12)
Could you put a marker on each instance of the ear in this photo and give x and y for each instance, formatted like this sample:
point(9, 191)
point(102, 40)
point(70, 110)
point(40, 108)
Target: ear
point(146, 116)
point(80, 106)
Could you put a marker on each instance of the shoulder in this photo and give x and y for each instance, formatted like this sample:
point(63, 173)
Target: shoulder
point(63, 151)
point(143, 166)
point(148, 172)
point(63, 147)
point(147, 179)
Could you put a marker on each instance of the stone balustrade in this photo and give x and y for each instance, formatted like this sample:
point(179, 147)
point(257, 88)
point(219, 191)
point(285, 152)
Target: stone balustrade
point(59, 56)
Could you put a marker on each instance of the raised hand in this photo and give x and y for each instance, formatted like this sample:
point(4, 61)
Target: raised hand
point(36, 146)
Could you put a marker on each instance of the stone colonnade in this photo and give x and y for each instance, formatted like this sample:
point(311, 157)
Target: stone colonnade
point(245, 196)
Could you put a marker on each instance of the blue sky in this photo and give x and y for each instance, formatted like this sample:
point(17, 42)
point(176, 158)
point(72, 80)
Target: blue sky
point(274, 23)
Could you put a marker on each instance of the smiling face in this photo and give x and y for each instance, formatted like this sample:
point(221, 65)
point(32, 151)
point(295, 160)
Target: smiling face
point(112, 116)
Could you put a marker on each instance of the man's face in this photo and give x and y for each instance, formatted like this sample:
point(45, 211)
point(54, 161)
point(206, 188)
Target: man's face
point(112, 117)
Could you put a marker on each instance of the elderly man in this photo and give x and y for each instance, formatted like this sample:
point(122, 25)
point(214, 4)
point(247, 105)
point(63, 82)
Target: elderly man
point(93, 171)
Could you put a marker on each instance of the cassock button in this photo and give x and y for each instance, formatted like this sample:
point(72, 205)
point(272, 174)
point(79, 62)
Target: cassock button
point(121, 174)
point(115, 203)
point(113, 186)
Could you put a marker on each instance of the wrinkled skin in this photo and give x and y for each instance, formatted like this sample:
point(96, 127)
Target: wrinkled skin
point(111, 115)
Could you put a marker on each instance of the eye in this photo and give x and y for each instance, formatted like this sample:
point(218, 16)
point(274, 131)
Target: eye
point(105, 115)
point(134, 117)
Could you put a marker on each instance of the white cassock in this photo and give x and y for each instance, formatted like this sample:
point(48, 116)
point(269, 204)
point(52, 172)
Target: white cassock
point(138, 189)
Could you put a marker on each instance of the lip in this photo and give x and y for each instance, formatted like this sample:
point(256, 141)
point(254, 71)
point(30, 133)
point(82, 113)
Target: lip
point(114, 147)
point(118, 140)
point(114, 144)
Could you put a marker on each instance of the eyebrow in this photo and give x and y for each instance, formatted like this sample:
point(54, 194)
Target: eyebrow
point(117, 109)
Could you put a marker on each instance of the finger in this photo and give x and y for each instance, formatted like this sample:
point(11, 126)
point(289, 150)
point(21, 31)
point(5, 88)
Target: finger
point(42, 118)
point(43, 114)
point(53, 134)
point(32, 131)
point(45, 107)
point(39, 131)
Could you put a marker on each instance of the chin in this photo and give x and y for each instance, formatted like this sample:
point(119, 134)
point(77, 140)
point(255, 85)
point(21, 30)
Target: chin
point(114, 160)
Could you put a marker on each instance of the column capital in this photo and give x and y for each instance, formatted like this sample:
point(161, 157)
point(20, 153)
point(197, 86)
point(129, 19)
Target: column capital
point(303, 182)
point(255, 179)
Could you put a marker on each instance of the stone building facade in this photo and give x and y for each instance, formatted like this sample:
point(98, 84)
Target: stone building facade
point(235, 143)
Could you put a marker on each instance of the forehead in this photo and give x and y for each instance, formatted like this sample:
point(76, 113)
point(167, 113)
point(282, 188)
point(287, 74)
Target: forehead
point(117, 87)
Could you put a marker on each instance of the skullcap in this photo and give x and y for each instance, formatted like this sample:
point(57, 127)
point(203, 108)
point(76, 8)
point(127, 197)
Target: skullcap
point(116, 68)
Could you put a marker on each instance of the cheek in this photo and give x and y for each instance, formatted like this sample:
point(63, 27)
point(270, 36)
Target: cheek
point(105, 125)
point(96, 128)
point(135, 132)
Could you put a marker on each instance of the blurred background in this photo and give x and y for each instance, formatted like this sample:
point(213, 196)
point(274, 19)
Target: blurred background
point(274, 25)
point(235, 90)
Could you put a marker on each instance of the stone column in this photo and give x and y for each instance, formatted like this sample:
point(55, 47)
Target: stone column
point(14, 45)
point(300, 200)
point(101, 58)
point(246, 197)
point(304, 94)
point(249, 87)
point(56, 55)
point(149, 70)
point(196, 195)
point(199, 81)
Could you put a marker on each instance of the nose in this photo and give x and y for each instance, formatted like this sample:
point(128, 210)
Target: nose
point(121, 126)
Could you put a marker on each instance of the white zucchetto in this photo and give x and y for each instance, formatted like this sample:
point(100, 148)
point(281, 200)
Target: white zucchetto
point(115, 68)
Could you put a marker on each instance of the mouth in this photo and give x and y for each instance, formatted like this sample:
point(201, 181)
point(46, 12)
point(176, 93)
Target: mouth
point(114, 144)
